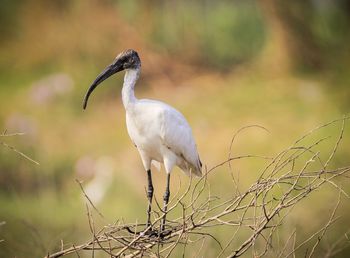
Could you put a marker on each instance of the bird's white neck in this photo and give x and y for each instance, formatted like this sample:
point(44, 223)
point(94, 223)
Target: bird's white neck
point(130, 78)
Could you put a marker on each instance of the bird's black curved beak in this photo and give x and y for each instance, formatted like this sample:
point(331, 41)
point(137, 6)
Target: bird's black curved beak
point(115, 67)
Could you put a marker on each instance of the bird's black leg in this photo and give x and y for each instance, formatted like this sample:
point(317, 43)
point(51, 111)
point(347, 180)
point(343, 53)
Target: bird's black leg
point(166, 200)
point(149, 197)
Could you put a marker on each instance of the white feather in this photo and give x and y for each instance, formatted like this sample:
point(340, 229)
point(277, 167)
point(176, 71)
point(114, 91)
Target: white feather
point(160, 132)
point(157, 165)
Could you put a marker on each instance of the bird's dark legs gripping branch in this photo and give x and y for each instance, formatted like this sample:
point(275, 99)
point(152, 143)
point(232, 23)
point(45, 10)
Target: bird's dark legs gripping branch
point(166, 200)
point(149, 231)
point(149, 197)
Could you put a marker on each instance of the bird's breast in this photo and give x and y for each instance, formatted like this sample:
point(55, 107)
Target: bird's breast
point(145, 132)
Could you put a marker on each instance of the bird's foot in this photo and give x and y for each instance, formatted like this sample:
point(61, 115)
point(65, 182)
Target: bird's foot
point(155, 233)
point(149, 232)
point(165, 233)
point(131, 231)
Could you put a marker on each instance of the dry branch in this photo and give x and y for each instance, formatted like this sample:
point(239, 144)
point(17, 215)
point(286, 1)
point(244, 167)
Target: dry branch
point(5, 134)
point(255, 214)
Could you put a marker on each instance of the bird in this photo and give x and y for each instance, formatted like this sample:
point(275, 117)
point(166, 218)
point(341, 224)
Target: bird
point(160, 133)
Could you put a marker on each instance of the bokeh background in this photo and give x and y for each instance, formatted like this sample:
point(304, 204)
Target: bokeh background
point(224, 64)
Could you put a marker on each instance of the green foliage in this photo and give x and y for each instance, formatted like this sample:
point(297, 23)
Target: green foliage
point(9, 15)
point(223, 25)
point(211, 30)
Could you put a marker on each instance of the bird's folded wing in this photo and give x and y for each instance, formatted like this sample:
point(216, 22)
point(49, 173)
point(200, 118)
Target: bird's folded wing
point(177, 136)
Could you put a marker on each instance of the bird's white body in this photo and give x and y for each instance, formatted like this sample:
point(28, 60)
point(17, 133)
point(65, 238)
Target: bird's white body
point(160, 132)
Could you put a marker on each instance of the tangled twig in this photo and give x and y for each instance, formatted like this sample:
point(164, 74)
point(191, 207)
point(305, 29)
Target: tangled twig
point(254, 214)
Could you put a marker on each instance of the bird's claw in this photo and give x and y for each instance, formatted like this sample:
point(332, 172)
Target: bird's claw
point(149, 232)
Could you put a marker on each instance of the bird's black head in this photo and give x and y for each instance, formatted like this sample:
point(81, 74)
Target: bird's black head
point(128, 59)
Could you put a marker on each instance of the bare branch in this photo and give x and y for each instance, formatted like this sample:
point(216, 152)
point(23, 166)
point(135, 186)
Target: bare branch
point(252, 217)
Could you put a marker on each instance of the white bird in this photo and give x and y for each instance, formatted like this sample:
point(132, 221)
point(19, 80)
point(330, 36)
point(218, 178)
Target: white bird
point(160, 133)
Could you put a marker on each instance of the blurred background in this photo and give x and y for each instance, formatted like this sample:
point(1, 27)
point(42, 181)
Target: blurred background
point(224, 64)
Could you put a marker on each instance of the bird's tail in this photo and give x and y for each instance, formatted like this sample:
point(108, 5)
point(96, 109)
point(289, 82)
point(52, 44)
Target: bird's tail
point(198, 170)
point(192, 169)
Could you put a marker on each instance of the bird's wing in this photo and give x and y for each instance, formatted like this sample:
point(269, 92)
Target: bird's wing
point(177, 136)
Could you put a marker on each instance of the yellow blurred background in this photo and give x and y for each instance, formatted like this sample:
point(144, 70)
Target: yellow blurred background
point(225, 64)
